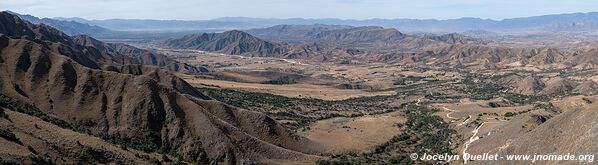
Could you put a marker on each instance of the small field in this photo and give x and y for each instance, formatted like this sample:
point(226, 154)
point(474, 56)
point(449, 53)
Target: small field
point(289, 90)
point(343, 135)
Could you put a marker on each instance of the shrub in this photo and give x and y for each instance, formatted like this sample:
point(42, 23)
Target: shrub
point(31, 150)
point(2, 114)
point(6, 134)
point(281, 80)
point(509, 114)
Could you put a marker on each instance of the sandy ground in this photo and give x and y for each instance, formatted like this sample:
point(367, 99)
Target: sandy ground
point(473, 108)
point(292, 90)
point(362, 134)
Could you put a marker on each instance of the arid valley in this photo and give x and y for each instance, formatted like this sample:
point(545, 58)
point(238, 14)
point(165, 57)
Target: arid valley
point(240, 90)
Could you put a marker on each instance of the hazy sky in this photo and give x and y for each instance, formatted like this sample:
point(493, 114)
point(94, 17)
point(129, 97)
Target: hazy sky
point(346, 9)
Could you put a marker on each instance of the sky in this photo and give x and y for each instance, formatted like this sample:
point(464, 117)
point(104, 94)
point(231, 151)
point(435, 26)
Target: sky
point(344, 9)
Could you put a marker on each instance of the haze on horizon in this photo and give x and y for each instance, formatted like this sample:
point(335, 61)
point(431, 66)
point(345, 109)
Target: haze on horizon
point(344, 9)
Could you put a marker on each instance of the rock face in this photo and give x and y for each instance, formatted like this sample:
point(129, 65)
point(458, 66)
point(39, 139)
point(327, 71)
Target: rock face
point(138, 56)
point(230, 42)
point(358, 34)
point(454, 38)
point(293, 33)
point(44, 67)
point(146, 57)
point(365, 37)
point(482, 56)
point(377, 44)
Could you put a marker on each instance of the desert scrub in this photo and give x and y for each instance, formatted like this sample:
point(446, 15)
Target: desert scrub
point(8, 135)
point(303, 111)
point(422, 133)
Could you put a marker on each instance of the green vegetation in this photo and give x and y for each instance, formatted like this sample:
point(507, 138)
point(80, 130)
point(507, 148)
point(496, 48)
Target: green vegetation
point(151, 141)
point(483, 91)
point(8, 135)
point(36, 159)
point(426, 87)
point(301, 110)
point(281, 80)
point(2, 114)
point(510, 114)
point(482, 87)
point(9, 103)
point(526, 99)
point(407, 80)
point(422, 133)
point(31, 150)
point(588, 101)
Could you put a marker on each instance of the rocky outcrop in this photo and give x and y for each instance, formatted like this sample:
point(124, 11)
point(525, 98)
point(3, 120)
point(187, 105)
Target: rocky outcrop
point(152, 106)
point(230, 42)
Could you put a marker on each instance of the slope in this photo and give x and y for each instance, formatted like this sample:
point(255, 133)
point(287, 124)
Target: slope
point(153, 107)
point(230, 42)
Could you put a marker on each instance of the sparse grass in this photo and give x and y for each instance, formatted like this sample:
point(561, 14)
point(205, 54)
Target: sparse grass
point(9, 103)
point(151, 141)
point(303, 111)
point(281, 80)
point(407, 80)
point(422, 133)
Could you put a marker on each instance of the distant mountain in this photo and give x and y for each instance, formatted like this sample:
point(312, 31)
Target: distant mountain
point(575, 22)
point(453, 38)
point(230, 42)
point(365, 37)
point(482, 56)
point(293, 33)
point(241, 43)
point(164, 25)
point(71, 28)
point(358, 34)
point(140, 56)
point(121, 109)
point(326, 43)
point(558, 22)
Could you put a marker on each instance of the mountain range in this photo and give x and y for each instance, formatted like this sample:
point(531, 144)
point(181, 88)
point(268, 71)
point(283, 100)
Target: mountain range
point(78, 84)
point(573, 22)
point(285, 40)
point(377, 44)
point(69, 27)
point(75, 98)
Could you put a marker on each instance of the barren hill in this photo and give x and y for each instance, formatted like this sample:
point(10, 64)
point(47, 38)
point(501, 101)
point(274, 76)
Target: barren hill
point(587, 88)
point(293, 33)
point(68, 27)
point(138, 56)
point(34, 137)
point(541, 132)
point(364, 37)
point(230, 42)
point(454, 38)
point(523, 84)
point(151, 109)
point(559, 85)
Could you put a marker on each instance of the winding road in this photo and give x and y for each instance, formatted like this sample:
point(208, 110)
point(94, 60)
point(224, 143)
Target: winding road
point(453, 118)
point(473, 138)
